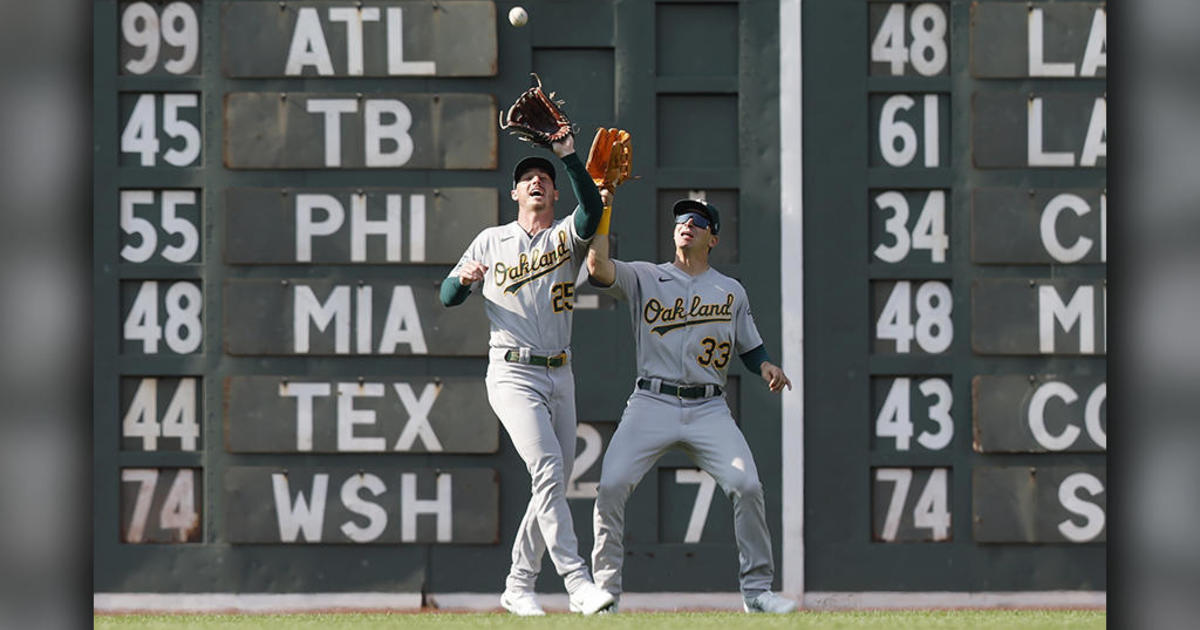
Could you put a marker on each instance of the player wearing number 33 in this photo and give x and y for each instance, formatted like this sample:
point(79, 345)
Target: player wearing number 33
point(527, 272)
point(688, 320)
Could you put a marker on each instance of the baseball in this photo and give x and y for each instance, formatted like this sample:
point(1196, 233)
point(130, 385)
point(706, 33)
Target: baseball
point(517, 16)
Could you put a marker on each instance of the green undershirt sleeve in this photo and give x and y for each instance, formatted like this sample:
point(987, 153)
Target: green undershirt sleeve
point(453, 292)
point(589, 197)
point(754, 358)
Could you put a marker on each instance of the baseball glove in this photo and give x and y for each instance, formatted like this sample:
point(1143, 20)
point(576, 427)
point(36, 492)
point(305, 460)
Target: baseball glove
point(537, 118)
point(610, 159)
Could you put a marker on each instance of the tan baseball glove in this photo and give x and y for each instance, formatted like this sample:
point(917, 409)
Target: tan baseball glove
point(610, 160)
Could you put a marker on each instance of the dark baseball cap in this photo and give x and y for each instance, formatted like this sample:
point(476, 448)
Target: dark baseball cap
point(534, 161)
point(694, 205)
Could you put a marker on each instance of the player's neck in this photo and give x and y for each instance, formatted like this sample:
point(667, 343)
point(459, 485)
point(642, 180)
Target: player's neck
point(534, 221)
point(691, 262)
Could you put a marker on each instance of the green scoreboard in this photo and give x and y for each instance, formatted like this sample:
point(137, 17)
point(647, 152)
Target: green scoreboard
point(913, 194)
point(954, 295)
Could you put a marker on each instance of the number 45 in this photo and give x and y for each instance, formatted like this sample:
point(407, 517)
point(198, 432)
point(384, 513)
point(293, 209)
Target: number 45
point(141, 136)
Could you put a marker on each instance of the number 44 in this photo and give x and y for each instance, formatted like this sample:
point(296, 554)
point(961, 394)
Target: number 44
point(179, 420)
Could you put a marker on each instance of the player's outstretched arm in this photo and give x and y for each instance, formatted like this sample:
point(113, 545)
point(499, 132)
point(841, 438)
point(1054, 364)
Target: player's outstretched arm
point(601, 270)
point(757, 360)
point(455, 289)
point(591, 208)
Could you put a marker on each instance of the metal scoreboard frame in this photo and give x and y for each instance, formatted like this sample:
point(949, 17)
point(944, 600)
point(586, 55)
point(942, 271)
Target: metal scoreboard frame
point(285, 417)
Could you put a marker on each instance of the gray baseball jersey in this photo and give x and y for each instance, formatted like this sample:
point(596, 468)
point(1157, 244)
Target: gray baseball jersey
point(687, 329)
point(529, 291)
point(529, 287)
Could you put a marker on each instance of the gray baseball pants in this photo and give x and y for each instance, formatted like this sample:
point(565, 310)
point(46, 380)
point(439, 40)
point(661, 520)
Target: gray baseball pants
point(704, 429)
point(536, 406)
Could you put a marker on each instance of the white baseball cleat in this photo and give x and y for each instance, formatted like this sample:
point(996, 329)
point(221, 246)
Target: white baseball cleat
point(590, 599)
point(612, 609)
point(768, 602)
point(522, 604)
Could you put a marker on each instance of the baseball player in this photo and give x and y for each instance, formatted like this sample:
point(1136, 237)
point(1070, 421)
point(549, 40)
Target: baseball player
point(526, 270)
point(689, 320)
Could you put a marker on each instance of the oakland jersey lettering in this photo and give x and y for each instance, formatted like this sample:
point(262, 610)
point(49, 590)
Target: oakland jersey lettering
point(698, 313)
point(528, 288)
point(531, 266)
point(705, 317)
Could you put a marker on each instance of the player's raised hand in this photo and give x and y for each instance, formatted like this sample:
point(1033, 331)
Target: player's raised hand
point(606, 196)
point(774, 377)
point(471, 272)
point(564, 147)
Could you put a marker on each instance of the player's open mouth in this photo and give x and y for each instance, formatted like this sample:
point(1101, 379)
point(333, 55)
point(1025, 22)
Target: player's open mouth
point(536, 192)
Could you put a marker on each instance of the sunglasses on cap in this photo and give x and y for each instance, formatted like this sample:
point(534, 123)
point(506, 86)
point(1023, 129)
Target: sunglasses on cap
point(699, 220)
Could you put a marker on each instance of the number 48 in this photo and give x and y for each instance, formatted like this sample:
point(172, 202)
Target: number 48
point(928, 53)
point(934, 330)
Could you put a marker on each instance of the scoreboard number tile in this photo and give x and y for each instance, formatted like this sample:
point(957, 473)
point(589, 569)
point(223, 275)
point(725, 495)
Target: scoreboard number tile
point(926, 490)
point(906, 311)
point(686, 512)
point(909, 34)
point(904, 404)
point(160, 407)
point(160, 225)
point(591, 440)
point(157, 37)
point(903, 221)
point(909, 130)
point(177, 305)
point(161, 505)
point(160, 127)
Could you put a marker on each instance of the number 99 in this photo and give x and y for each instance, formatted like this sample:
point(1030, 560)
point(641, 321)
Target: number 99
point(143, 28)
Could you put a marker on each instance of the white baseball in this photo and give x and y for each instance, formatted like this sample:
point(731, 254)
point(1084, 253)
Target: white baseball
point(517, 16)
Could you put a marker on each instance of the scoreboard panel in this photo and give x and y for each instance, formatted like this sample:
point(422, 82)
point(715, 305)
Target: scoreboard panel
point(283, 406)
point(281, 188)
point(956, 303)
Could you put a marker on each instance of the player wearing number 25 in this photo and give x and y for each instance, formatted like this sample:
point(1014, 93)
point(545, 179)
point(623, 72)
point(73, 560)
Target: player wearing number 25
point(527, 272)
point(688, 320)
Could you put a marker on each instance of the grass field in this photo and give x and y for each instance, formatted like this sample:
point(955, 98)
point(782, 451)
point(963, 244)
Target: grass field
point(871, 620)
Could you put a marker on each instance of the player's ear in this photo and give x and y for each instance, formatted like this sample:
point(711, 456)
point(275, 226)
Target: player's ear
point(513, 193)
point(712, 241)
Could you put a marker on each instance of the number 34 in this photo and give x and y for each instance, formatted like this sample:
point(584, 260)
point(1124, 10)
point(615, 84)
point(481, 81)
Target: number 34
point(711, 347)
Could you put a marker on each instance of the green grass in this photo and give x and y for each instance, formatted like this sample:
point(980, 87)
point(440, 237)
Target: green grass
point(870, 620)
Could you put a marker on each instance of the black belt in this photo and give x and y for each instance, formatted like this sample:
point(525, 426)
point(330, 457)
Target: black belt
point(696, 391)
point(558, 360)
